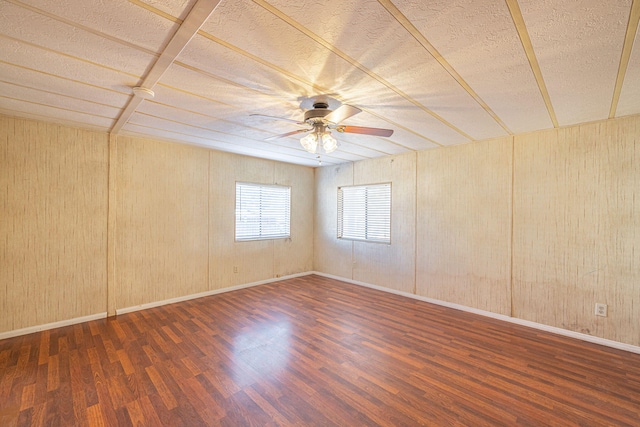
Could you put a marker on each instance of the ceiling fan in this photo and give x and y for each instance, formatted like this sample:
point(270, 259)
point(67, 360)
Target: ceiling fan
point(322, 120)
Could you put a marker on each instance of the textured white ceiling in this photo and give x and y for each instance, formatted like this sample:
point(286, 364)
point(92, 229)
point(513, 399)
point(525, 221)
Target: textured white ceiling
point(438, 72)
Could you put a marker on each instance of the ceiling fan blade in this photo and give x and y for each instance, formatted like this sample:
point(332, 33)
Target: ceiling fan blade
point(341, 113)
point(284, 135)
point(279, 118)
point(364, 130)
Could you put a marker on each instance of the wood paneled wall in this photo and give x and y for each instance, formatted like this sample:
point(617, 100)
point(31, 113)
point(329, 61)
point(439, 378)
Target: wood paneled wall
point(295, 255)
point(464, 225)
point(53, 217)
point(260, 259)
point(538, 226)
point(577, 228)
point(379, 264)
point(162, 221)
point(165, 211)
point(331, 255)
point(390, 265)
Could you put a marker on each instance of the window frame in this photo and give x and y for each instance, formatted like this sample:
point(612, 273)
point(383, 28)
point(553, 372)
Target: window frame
point(365, 217)
point(260, 235)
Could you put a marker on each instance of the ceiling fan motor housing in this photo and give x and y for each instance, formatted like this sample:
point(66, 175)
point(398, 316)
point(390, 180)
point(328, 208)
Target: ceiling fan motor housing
point(322, 120)
point(315, 115)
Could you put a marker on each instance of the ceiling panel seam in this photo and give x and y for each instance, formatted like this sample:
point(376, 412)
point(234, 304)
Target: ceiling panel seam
point(523, 33)
point(62, 78)
point(298, 148)
point(280, 70)
point(152, 53)
point(358, 65)
point(57, 107)
point(214, 77)
point(224, 142)
point(259, 60)
point(399, 126)
point(214, 131)
point(199, 113)
point(60, 94)
point(75, 63)
point(47, 119)
point(301, 80)
point(632, 28)
point(155, 54)
point(420, 38)
point(219, 141)
point(228, 46)
point(57, 52)
point(82, 27)
point(156, 11)
point(250, 127)
point(198, 15)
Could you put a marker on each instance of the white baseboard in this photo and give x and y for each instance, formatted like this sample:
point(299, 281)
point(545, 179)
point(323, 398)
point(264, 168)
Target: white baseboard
point(528, 323)
point(206, 293)
point(38, 328)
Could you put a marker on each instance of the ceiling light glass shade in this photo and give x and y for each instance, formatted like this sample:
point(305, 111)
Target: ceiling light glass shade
point(329, 143)
point(310, 142)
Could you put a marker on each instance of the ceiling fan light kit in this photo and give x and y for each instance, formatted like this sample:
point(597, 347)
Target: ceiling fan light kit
point(329, 143)
point(310, 142)
point(319, 135)
point(322, 119)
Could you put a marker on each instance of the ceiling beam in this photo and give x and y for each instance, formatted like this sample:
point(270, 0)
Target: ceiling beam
point(632, 28)
point(523, 33)
point(420, 38)
point(358, 65)
point(317, 88)
point(198, 15)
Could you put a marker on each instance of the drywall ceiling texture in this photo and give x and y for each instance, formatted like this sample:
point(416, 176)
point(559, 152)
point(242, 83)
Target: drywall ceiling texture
point(437, 73)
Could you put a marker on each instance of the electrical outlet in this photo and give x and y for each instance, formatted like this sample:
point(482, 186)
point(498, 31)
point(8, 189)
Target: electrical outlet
point(235, 269)
point(601, 309)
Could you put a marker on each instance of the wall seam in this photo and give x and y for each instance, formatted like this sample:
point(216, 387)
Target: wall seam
point(415, 229)
point(314, 222)
point(353, 244)
point(272, 243)
point(513, 180)
point(112, 153)
point(209, 163)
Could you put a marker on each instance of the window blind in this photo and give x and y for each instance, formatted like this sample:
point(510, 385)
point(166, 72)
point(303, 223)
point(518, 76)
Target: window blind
point(364, 213)
point(262, 211)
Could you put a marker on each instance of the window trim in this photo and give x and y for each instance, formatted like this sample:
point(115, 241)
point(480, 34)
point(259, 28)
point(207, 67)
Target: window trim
point(260, 236)
point(340, 215)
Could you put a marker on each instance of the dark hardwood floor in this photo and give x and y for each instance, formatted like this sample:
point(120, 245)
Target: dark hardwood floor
point(312, 351)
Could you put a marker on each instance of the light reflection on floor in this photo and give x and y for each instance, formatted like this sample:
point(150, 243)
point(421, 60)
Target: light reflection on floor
point(261, 351)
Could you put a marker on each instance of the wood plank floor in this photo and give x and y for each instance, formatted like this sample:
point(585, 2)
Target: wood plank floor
point(312, 351)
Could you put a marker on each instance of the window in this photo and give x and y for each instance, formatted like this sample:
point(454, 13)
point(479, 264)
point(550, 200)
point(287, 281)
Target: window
point(364, 213)
point(262, 211)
